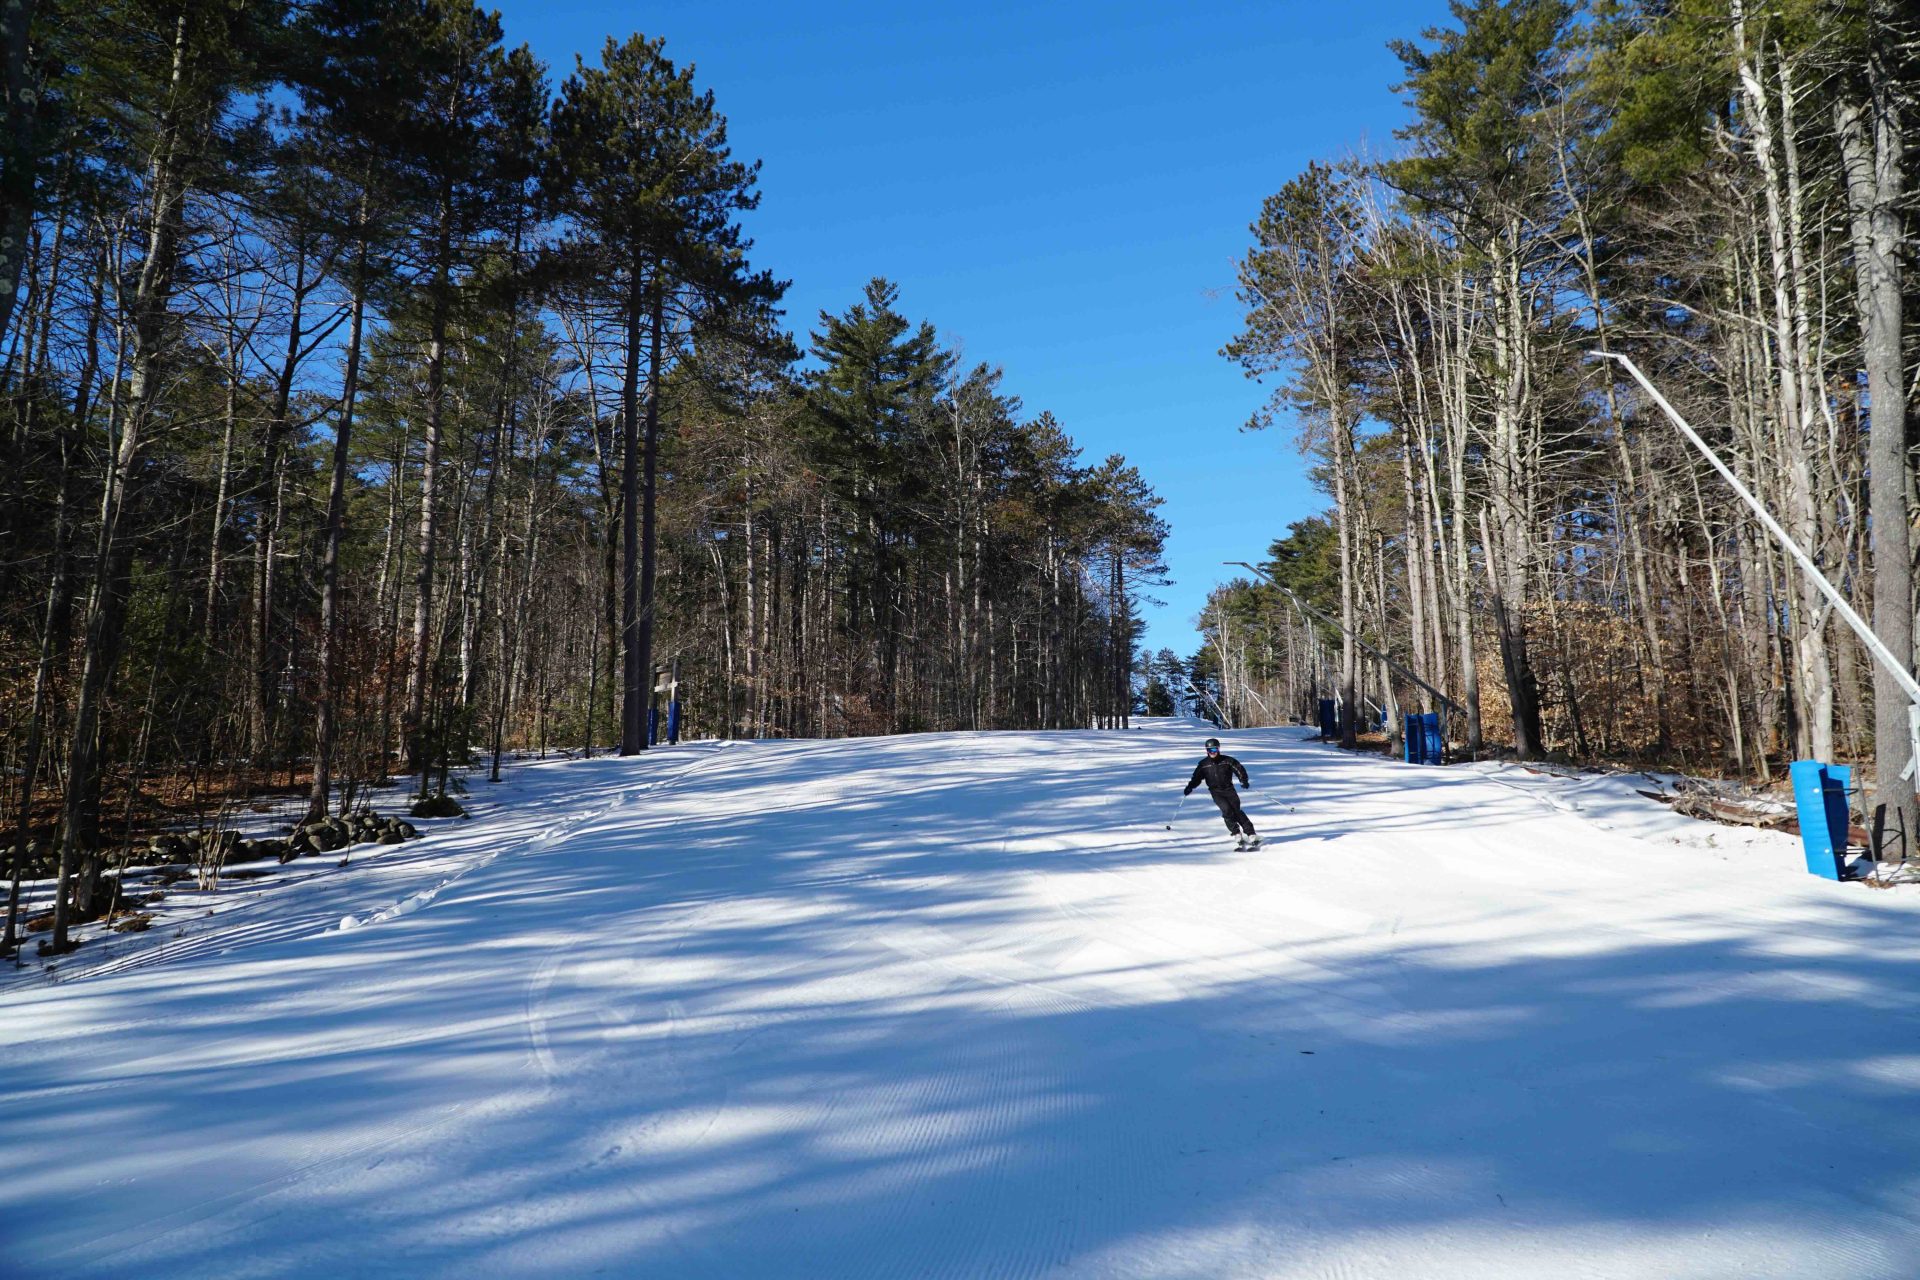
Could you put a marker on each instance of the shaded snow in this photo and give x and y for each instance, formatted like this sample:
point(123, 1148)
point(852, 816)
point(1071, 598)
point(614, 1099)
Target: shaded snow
point(959, 1005)
point(1615, 802)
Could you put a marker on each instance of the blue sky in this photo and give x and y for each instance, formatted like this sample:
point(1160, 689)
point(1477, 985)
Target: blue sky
point(1061, 189)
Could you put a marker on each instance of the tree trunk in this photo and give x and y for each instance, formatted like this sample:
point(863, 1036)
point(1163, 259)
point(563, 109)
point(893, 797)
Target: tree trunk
point(1873, 147)
point(632, 696)
point(419, 660)
point(42, 686)
point(267, 535)
point(1508, 489)
point(1342, 450)
point(324, 730)
point(107, 604)
point(1815, 678)
point(640, 671)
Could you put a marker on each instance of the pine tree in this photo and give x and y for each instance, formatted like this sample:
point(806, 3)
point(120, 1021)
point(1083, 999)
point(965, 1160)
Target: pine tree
point(1478, 167)
point(460, 168)
point(642, 170)
point(177, 120)
point(872, 405)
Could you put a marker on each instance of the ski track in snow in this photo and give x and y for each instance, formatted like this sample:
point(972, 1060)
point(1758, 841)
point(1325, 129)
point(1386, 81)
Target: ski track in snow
point(959, 1006)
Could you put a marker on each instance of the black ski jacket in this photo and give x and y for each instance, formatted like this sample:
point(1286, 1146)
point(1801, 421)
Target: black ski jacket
point(1218, 772)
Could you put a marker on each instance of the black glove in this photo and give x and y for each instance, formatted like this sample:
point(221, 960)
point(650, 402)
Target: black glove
point(1187, 792)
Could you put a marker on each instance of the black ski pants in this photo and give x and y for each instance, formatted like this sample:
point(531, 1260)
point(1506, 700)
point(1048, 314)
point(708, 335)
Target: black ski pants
point(1229, 801)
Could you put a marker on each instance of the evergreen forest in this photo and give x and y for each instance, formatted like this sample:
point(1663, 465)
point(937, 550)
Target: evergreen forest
point(380, 401)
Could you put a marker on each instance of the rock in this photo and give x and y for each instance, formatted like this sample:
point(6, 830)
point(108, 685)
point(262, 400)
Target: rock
point(437, 807)
point(321, 837)
point(391, 836)
point(36, 864)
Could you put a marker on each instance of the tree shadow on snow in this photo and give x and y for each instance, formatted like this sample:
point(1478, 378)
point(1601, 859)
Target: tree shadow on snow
point(741, 1034)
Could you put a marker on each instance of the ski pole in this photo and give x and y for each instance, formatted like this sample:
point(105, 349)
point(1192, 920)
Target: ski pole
point(1176, 811)
point(1275, 809)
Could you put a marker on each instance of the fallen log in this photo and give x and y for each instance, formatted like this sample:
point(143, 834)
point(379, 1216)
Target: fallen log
point(1731, 812)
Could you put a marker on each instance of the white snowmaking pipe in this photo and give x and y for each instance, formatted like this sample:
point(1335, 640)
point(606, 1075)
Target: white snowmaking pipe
point(1218, 710)
point(1827, 589)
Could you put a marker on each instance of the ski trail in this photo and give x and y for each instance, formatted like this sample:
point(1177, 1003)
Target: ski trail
point(144, 1235)
point(277, 913)
point(949, 1006)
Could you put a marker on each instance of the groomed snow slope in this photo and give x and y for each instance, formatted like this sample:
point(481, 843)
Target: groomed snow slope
point(959, 1006)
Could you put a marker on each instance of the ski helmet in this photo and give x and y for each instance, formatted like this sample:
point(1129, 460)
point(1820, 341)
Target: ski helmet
point(1213, 744)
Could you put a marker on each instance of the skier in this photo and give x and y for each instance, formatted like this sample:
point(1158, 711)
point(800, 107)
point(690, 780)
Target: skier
point(1218, 772)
